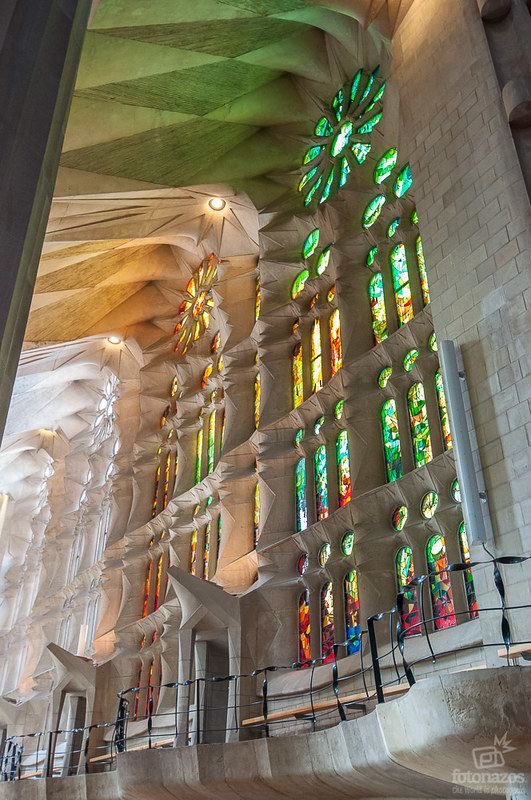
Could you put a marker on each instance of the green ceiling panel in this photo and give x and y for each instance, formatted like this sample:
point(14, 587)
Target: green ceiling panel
point(265, 7)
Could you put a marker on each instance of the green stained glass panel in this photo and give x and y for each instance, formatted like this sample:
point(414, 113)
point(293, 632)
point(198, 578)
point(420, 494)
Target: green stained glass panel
point(385, 165)
point(355, 84)
point(384, 376)
point(405, 572)
point(402, 290)
point(347, 543)
point(369, 84)
point(399, 518)
point(371, 123)
point(306, 178)
point(301, 520)
point(328, 186)
point(428, 504)
point(403, 182)
point(440, 585)
point(340, 140)
point(321, 482)
point(432, 343)
point(318, 424)
point(371, 255)
point(455, 491)
point(344, 482)
point(309, 197)
point(379, 317)
point(391, 440)
point(339, 408)
point(324, 554)
point(310, 245)
point(344, 171)
point(360, 151)
point(299, 436)
point(467, 574)
point(418, 420)
point(409, 359)
point(443, 411)
point(337, 103)
point(298, 284)
point(422, 271)
point(323, 260)
point(376, 99)
point(414, 217)
point(393, 227)
point(373, 211)
point(211, 441)
point(323, 127)
point(312, 153)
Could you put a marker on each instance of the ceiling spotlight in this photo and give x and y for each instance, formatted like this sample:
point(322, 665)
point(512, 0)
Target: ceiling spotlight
point(217, 203)
point(114, 339)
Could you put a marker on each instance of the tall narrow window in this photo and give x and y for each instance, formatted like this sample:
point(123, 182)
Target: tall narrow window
point(421, 264)
point(257, 299)
point(147, 588)
point(305, 652)
point(470, 589)
point(158, 583)
point(321, 482)
point(206, 551)
point(193, 552)
point(405, 572)
point(155, 503)
point(327, 623)
point(257, 397)
point(443, 410)
point(301, 521)
point(420, 429)
point(343, 468)
point(336, 356)
point(298, 385)
point(167, 470)
point(199, 454)
point(402, 289)
point(256, 513)
point(379, 317)
point(352, 612)
point(211, 441)
point(391, 440)
point(440, 587)
point(316, 361)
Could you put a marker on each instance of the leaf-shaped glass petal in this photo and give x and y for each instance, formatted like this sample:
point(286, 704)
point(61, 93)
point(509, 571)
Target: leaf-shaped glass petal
point(318, 424)
point(410, 358)
point(403, 182)
point(360, 151)
point(323, 127)
point(355, 84)
point(414, 217)
point(371, 123)
point(344, 172)
point(393, 227)
point(399, 518)
point(347, 543)
point(310, 245)
point(323, 260)
point(337, 104)
point(385, 165)
point(299, 436)
point(368, 86)
point(371, 255)
point(338, 409)
point(306, 178)
point(312, 153)
point(328, 186)
point(384, 376)
point(298, 284)
point(373, 211)
point(376, 99)
point(311, 193)
point(432, 343)
point(340, 140)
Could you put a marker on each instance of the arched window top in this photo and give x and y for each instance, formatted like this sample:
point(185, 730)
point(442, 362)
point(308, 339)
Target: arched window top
point(420, 430)
point(327, 623)
point(405, 572)
point(440, 586)
point(305, 652)
point(379, 317)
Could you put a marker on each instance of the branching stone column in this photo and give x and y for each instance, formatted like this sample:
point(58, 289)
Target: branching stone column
point(40, 46)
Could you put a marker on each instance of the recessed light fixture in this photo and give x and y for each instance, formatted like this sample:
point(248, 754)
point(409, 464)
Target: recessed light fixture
point(217, 203)
point(114, 339)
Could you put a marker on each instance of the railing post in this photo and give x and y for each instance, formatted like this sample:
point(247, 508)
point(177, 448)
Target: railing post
point(375, 658)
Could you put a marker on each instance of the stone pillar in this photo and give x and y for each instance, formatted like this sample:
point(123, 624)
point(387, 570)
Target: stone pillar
point(183, 697)
point(40, 46)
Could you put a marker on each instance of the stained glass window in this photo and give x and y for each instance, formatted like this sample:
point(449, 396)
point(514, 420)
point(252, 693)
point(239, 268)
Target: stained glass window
point(423, 275)
point(215, 343)
point(352, 612)
point(371, 123)
point(298, 385)
point(206, 375)
point(391, 440)
point(409, 359)
point(257, 299)
point(302, 563)
point(400, 275)
point(405, 572)
point(299, 436)
point(443, 410)
point(379, 317)
point(403, 182)
point(336, 357)
point(256, 513)
point(343, 468)
point(206, 551)
point(299, 283)
point(316, 363)
point(301, 522)
point(360, 151)
point(147, 588)
point(455, 491)
point(318, 424)
point(393, 227)
point(432, 343)
point(338, 409)
point(414, 217)
point(158, 583)
point(327, 623)
point(323, 260)
point(211, 441)
point(305, 652)
point(373, 211)
point(257, 397)
point(344, 171)
point(371, 255)
point(311, 243)
point(199, 455)
point(167, 471)
point(347, 543)
point(321, 482)
point(384, 376)
point(399, 518)
point(193, 552)
point(331, 294)
point(325, 194)
point(440, 587)
point(312, 153)
point(314, 300)
point(420, 429)
point(428, 504)
point(385, 165)
point(196, 308)
point(324, 554)
point(470, 590)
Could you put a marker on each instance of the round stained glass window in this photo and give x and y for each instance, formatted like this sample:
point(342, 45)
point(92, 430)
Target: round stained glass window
point(302, 563)
point(324, 554)
point(384, 376)
point(455, 491)
point(428, 504)
point(409, 359)
point(347, 543)
point(399, 518)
